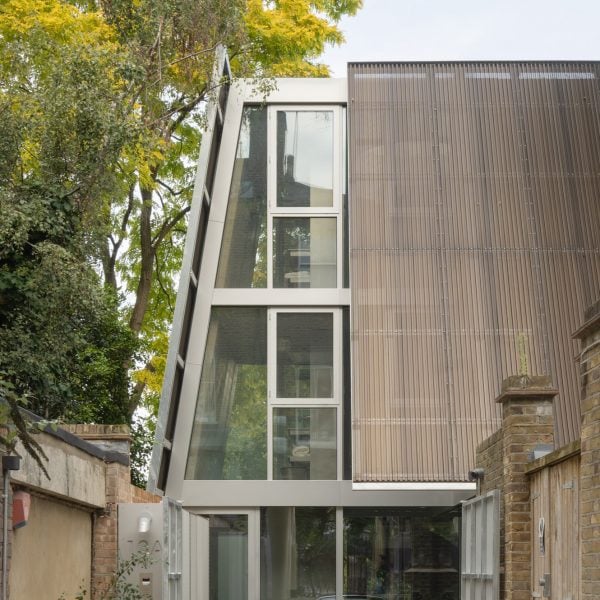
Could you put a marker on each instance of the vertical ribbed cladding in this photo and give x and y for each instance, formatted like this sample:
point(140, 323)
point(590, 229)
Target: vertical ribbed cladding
point(474, 231)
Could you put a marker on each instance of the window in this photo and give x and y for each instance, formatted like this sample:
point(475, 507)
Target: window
point(304, 252)
point(298, 550)
point(305, 158)
point(304, 397)
point(268, 404)
point(306, 171)
point(304, 443)
point(402, 553)
point(305, 355)
point(229, 435)
point(242, 262)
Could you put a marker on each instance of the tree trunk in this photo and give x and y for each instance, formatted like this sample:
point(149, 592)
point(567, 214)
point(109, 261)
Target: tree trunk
point(142, 295)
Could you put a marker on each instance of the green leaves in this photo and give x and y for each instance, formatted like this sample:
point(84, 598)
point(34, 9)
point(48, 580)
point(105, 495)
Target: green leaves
point(287, 36)
point(101, 107)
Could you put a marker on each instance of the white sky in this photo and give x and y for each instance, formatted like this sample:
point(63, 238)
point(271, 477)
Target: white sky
point(412, 30)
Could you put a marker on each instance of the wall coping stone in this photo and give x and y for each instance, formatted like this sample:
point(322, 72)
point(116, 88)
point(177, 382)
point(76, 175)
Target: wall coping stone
point(77, 442)
point(556, 456)
point(95, 431)
point(526, 387)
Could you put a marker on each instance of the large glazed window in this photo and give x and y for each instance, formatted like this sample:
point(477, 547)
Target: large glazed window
point(401, 553)
point(304, 252)
point(229, 436)
point(297, 553)
point(243, 260)
point(305, 355)
point(304, 158)
point(304, 443)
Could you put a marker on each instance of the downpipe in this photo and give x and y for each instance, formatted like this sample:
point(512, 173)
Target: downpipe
point(6, 474)
point(9, 463)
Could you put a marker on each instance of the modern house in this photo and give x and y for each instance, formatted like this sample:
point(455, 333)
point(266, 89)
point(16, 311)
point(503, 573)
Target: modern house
point(367, 259)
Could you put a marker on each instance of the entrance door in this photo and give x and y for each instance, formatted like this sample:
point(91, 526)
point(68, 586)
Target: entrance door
point(224, 555)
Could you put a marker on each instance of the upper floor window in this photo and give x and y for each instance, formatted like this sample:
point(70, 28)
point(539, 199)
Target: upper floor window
point(243, 260)
point(283, 227)
point(304, 355)
point(269, 398)
point(305, 252)
point(304, 158)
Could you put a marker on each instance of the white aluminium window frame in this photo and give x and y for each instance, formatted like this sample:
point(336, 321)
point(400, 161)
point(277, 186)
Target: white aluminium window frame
point(334, 211)
point(337, 141)
point(335, 402)
point(332, 95)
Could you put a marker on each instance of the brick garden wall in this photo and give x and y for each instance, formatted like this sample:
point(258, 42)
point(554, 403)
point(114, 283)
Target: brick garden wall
point(527, 421)
point(589, 482)
point(113, 469)
point(505, 456)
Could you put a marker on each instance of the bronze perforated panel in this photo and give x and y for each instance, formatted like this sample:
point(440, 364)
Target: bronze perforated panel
point(474, 248)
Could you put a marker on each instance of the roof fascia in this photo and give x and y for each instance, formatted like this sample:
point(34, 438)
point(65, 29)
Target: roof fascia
point(301, 90)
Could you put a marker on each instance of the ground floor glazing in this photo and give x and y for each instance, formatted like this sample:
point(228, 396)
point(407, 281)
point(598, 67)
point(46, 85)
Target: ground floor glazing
point(314, 553)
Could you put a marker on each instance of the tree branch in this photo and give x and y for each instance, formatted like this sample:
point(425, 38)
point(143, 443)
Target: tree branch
point(109, 258)
point(167, 226)
point(182, 58)
point(161, 284)
point(170, 189)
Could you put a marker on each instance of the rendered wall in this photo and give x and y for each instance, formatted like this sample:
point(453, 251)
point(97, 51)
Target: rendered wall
point(474, 248)
point(54, 530)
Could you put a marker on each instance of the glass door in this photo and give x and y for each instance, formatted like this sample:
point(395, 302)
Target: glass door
point(221, 552)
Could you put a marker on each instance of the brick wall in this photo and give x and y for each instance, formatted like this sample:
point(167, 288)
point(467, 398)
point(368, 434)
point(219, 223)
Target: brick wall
point(527, 420)
point(489, 457)
point(99, 477)
point(589, 481)
point(118, 490)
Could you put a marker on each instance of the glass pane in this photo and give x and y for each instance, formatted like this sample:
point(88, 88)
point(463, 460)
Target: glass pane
point(305, 158)
point(229, 435)
point(402, 553)
point(297, 553)
point(305, 355)
point(242, 262)
point(304, 443)
point(304, 252)
point(228, 557)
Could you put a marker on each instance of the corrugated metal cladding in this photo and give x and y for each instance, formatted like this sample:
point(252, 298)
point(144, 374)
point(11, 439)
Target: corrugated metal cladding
point(474, 248)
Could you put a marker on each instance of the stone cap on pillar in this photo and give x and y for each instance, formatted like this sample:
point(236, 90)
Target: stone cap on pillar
point(592, 322)
point(526, 387)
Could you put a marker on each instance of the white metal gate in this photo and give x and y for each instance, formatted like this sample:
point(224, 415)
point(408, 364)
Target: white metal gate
point(480, 548)
point(172, 548)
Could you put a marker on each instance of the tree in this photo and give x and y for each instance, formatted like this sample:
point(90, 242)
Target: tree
point(62, 343)
point(173, 44)
point(102, 108)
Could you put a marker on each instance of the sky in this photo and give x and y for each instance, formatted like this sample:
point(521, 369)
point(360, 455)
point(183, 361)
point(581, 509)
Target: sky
point(413, 30)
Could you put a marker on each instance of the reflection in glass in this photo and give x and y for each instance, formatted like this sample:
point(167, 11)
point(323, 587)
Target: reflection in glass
point(304, 443)
point(305, 158)
point(402, 553)
point(229, 435)
point(305, 355)
point(297, 553)
point(228, 557)
point(242, 262)
point(304, 252)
